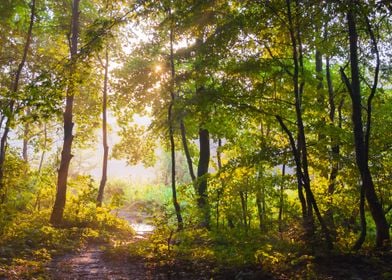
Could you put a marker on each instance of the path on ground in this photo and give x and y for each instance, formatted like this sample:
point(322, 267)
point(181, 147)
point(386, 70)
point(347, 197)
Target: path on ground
point(91, 262)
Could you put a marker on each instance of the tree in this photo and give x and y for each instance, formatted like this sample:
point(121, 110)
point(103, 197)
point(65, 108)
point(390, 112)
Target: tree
point(202, 172)
point(59, 204)
point(171, 124)
point(299, 147)
point(104, 130)
point(8, 115)
point(362, 138)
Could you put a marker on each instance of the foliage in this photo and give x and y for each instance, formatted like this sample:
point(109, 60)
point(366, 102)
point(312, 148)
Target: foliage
point(268, 80)
point(28, 242)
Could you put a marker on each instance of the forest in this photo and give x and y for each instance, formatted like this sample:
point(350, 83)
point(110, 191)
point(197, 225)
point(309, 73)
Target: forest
point(195, 139)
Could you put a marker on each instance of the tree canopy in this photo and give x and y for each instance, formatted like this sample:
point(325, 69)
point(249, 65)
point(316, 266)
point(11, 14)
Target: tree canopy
point(266, 120)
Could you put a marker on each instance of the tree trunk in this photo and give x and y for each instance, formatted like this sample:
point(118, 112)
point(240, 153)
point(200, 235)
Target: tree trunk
point(104, 132)
point(320, 86)
point(361, 239)
point(14, 89)
point(335, 148)
point(260, 200)
point(180, 223)
point(244, 208)
point(59, 204)
point(25, 155)
point(41, 161)
point(280, 215)
point(302, 176)
point(306, 184)
point(176, 205)
point(3, 149)
point(300, 153)
point(219, 191)
point(260, 210)
point(202, 171)
point(361, 140)
point(186, 151)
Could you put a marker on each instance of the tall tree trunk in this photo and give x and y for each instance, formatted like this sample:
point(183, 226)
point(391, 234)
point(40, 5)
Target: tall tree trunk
point(260, 199)
point(41, 161)
point(176, 205)
point(361, 140)
point(335, 147)
point(56, 217)
point(301, 140)
point(180, 223)
point(361, 239)
point(281, 192)
point(40, 165)
point(320, 86)
point(26, 137)
point(202, 171)
point(260, 211)
point(301, 143)
point(104, 132)
point(204, 160)
point(187, 153)
point(306, 184)
point(300, 154)
point(14, 89)
point(319, 75)
point(219, 191)
point(186, 150)
point(25, 155)
point(244, 208)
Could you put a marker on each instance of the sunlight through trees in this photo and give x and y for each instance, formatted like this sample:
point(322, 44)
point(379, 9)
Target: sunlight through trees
point(263, 128)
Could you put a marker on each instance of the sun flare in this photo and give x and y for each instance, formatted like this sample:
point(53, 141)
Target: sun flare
point(158, 68)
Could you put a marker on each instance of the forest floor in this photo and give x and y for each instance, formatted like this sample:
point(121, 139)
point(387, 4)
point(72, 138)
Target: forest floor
point(94, 262)
point(91, 262)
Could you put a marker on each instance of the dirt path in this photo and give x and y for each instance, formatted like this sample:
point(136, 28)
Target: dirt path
point(91, 263)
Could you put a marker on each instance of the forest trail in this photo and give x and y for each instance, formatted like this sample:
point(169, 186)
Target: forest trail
point(92, 263)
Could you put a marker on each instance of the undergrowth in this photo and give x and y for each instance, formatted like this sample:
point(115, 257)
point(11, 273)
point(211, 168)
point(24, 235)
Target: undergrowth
point(28, 242)
point(235, 252)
